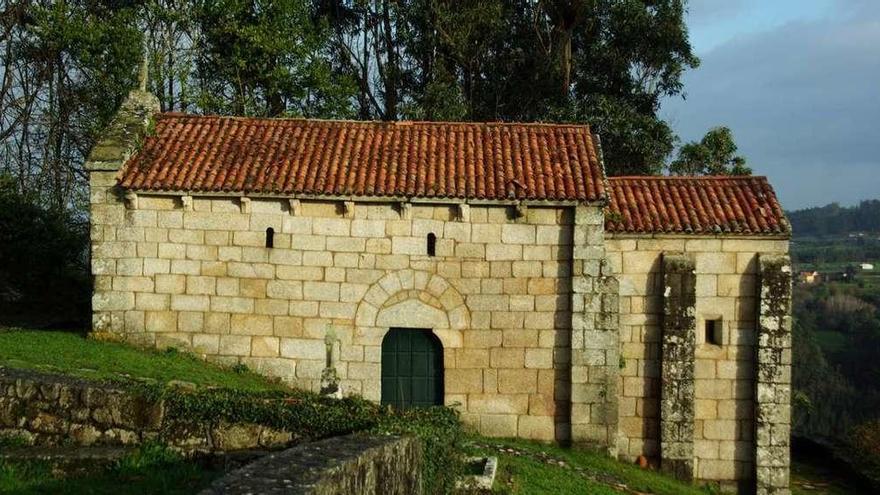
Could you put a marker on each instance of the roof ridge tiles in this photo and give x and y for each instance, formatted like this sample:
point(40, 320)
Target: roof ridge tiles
point(398, 123)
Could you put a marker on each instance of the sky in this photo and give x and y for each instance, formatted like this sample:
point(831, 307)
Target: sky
point(798, 83)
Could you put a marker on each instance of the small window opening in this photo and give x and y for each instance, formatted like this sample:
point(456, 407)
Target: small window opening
point(270, 237)
point(714, 332)
point(432, 244)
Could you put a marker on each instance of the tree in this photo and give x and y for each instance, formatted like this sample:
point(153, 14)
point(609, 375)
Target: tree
point(171, 37)
point(267, 58)
point(43, 262)
point(608, 63)
point(66, 67)
point(715, 154)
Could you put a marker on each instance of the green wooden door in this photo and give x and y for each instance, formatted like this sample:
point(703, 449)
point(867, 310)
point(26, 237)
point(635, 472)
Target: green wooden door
point(412, 368)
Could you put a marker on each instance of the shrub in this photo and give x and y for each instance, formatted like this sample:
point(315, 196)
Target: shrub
point(864, 446)
point(44, 272)
point(311, 417)
point(441, 433)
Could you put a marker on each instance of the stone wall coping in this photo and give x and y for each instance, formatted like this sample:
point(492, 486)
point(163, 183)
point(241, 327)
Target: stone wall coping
point(45, 378)
point(356, 463)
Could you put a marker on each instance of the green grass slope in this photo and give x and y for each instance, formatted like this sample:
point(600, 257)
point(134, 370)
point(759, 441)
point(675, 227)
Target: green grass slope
point(526, 468)
point(72, 354)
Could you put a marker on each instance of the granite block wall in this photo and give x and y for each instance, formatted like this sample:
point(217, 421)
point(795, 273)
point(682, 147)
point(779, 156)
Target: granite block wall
point(726, 291)
point(195, 272)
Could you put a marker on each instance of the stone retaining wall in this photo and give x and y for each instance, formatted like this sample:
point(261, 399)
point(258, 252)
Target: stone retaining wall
point(342, 465)
point(49, 410)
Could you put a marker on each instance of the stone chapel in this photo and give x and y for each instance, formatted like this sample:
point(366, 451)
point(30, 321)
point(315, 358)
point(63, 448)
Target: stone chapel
point(491, 267)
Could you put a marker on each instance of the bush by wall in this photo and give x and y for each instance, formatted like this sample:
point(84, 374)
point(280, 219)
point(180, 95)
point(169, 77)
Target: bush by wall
point(51, 409)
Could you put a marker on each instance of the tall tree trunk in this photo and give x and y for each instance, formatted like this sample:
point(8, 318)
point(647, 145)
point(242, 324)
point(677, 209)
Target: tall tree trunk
point(392, 72)
point(565, 62)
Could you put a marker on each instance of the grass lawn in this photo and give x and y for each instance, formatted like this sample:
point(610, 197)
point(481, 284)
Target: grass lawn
point(152, 469)
point(584, 472)
point(72, 354)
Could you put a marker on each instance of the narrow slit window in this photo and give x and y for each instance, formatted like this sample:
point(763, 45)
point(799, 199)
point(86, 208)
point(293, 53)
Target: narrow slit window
point(432, 244)
point(270, 237)
point(714, 332)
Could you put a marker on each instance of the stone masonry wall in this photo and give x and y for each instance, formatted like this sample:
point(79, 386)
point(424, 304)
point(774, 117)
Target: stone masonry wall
point(726, 288)
point(49, 410)
point(195, 273)
point(367, 465)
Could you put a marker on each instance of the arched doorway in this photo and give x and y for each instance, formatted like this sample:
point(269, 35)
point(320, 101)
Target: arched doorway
point(412, 368)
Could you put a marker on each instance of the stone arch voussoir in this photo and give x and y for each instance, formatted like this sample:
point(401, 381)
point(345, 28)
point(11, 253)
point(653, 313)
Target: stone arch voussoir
point(418, 299)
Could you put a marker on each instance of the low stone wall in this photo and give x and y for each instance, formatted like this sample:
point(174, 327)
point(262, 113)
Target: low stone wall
point(342, 465)
point(48, 410)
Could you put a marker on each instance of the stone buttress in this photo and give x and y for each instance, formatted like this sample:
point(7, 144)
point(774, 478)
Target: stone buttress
point(677, 367)
point(773, 384)
point(595, 354)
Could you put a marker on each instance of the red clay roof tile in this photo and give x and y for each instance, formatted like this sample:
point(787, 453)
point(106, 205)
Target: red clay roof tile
point(694, 205)
point(493, 161)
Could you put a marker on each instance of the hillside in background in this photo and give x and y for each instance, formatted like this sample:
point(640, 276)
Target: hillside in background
point(834, 219)
point(836, 355)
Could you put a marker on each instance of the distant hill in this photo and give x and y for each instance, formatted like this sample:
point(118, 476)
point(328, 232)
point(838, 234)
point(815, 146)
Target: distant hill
point(834, 219)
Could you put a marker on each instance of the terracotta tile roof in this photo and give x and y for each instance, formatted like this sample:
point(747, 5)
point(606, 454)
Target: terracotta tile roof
point(493, 161)
point(694, 205)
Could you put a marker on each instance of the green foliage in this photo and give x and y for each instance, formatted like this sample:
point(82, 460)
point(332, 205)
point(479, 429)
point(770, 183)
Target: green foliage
point(864, 448)
point(67, 66)
point(835, 254)
point(441, 433)
point(41, 248)
point(311, 416)
point(151, 469)
point(715, 154)
point(303, 413)
point(836, 346)
point(240, 368)
point(267, 58)
point(608, 63)
point(148, 455)
point(12, 440)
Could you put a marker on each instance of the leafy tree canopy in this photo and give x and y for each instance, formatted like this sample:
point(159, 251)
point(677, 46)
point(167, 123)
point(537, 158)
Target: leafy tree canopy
point(715, 154)
point(266, 58)
point(608, 63)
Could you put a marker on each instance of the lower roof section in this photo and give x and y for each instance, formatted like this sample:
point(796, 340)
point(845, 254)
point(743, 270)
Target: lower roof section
point(705, 205)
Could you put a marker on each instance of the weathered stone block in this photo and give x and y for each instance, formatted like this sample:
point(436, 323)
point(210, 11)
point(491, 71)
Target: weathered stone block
point(235, 345)
point(303, 349)
point(248, 324)
point(264, 346)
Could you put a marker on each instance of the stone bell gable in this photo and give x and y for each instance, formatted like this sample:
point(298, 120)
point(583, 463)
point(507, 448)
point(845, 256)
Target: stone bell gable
point(490, 267)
